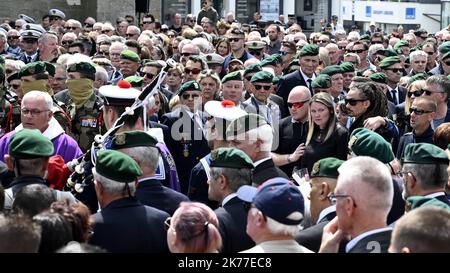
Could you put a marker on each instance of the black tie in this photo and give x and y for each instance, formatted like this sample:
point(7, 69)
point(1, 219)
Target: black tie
point(394, 97)
point(28, 59)
point(309, 86)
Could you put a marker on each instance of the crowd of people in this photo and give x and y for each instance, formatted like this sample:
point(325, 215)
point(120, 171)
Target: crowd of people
point(208, 162)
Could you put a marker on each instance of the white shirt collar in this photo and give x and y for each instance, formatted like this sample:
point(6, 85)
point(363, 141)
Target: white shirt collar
point(228, 198)
point(306, 77)
point(325, 212)
point(255, 164)
point(53, 130)
point(358, 238)
point(436, 194)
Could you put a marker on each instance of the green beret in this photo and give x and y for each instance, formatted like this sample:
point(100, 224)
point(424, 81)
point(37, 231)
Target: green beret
point(388, 52)
point(29, 144)
point(117, 166)
point(379, 77)
point(135, 81)
point(13, 76)
point(444, 47)
point(262, 76)
point(418, 77)
point(365, 37)
point(253, 68)
point(2, 70)
point(400, 44)
point(132, 139)
point(424, 153)
point(35, 68)
point(130, 55)
point(244, 124)
point(331, 70)
point(364, 142)
point(230, 158)
point(270, 60)
point(445, 56)
point(421, 201)
point(321, 81)
point(82, 67)
point(388, 61)
point(2, 60)
point(347, 67)
point(189, 86)
point(309, 50)
point(233, 76)
point(327, 167)
point(276, 79)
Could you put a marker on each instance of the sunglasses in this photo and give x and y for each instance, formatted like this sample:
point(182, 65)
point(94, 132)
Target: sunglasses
point(296, 105)
point(193, 71)
point(255, 52)
point(130, 34)
point(357, 51)
point(235, 39)
point(14, 86)
point(13, 37)
point(105, 31)
point(342, 47)
point(283, 52)
point(187, 54)
point(247, 206)
point(429, 53)
point(249, 78)
point(376, 42)
point(67, 42)
point(416, 93)
point(187, 96)
point(148, 75)
point(147, 22)
point(88, 25)
point(71, 28)
point(323, 41)
point(265, 87)
point(352, 102)
point(418, 111)
point(395, 70)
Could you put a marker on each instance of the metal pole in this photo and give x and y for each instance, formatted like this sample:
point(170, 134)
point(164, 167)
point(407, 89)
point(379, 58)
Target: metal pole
point(353, 12)
point(445, 13)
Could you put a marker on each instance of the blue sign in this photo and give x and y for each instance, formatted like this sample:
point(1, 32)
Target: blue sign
point(368, 11)
point(411, 13)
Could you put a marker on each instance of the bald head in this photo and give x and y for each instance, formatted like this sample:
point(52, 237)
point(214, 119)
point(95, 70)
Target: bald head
point(299, 98)
point(299, 92)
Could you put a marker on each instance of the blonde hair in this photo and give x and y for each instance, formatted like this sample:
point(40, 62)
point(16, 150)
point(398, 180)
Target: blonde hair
point(416, 84)
point(326, 100)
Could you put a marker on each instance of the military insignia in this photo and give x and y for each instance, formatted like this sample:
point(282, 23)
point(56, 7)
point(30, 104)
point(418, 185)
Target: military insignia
point(185, 150)
point(213, 156)
point(30, 33)
point(255, 44)
point(120, 139)
point(316, 168)
point(27, 27)
point(89, 122)
point(31, 70)
point(208, 57)
point(54, 11)
point(196, 85)
point(352, 141)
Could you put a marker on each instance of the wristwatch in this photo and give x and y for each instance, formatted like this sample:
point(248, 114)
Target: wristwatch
point(289, 158)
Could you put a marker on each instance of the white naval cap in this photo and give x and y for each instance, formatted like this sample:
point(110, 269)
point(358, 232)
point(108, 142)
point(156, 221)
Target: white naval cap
point(121, 94)
point(57, 13)
point(225, 109)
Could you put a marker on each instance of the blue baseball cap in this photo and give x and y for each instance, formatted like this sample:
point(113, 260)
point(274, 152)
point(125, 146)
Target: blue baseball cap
point(277, 198)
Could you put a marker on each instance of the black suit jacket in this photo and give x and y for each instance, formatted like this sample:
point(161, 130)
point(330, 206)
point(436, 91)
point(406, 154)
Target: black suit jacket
point(311, 237)
point(279, 101)
point(187, 145)
point(374, 243)
point(152, 193)
point(401, 95)
point(198, 185)
point(232, 226)
point(126, 226)
point(265, 171)
point(444, 199)
point(286, 84)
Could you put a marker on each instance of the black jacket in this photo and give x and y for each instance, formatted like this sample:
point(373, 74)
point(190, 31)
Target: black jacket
point(265, 171)
point(286, 84)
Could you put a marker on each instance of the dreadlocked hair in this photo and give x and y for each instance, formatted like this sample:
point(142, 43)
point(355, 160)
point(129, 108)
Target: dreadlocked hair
point(378, 102)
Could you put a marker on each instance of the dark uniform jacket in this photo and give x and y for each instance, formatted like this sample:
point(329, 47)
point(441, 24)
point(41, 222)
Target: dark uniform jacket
point(311, 237)
point(375, 243)
point(411, 137)
point(266, 170)
point(401, 95)
point(198, 184)
point(151, 192)
point(9, 111)
point(286, 84)
point(126, 226)
point(187, 145)
point(232, 226)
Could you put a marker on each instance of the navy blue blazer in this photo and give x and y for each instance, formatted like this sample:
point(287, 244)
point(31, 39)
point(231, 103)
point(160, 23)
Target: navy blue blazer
point(151, 192)
point(125, 226)
point(311, 237)
point(198, 185)
point(187, 145)
point(265, 171)
point(285, 85)
point(233, 225)
point(374, 243)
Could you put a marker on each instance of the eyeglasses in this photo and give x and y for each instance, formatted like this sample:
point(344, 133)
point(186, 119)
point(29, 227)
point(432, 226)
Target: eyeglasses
point(283, 52)
point(187, 96)
point(296, 105)
point(193, 71)
point(323, 41)
point(167, 223)
point(67, 42)
point(105, 31)
point(130, 34)
point(249, 78)
point(148, 75)
point(147, 22)
point(234, 39)
point(395, 70)
point(73, 52)
point(88, 25)
point(376, 42)
point(357, 51)
point(265, 87)
point(247, 206)
point(32, 112)
point(255, 52)
point(418, 111)
point(430, 52)
point(14, 86)
point(333, 197)
point(13, 37)
point(186, 54)
point(416, 93)
point(341, 47)
point(353, 102)
point(171, 35)
point(71, 28)
point(428, 92)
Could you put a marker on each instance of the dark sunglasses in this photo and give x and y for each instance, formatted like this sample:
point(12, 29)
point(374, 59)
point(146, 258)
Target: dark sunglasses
point(234, 39)
point(186, 54)
point(352, 102)
point(265, 87)
point(88, 25)
point(148, 75)
point(416, 93)
point(67, 42)
point(147, 22)
point(187, 96)
point(357, 51)
point(248, 78)
point(323, 41)
point(130, 34)
point(193, 71)
point(105, 31)
point(376, 42)
point(418, 111)
point(395, 70)
point(427, 92)
point(296, 105)
point(72, 28)
point(13, 37)
point(342, 47)
point(283, 52)
point(255, 52)
point(429, 53)
point(14, 86)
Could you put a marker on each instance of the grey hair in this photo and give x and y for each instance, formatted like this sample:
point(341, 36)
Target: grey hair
point(36, 94)
point(47, 36)
point(373, 49)
point(101, 74)
point(236, 177)
point(429, 176)
point(277, 228)
point(146, 156)
point(358, 59)
point(74, 22)
point(369, 181)
point(417, 53)
point(113, 187)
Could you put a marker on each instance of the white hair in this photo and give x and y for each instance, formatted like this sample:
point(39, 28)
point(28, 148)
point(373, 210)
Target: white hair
point(101, 74)
point(417, 53)
point(36, 94)
point(74, 22)
point(277, 228)
point(62, 60)
point(112, 187)
point(353, 36)
point(203, 44)
point(69, 34)
point(373, 49)
point(263, 133)
point(78, 58)
point(369, 182)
